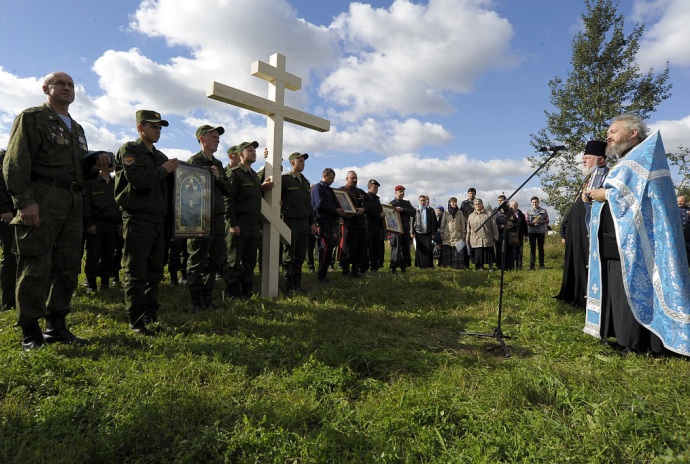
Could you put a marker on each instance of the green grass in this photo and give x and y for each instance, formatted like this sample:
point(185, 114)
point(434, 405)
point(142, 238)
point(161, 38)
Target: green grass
point(369, 370)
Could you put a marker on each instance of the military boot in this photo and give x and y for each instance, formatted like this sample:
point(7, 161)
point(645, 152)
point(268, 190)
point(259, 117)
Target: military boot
point(207, 298)
point(135, 314)
point(197, 303)
point(151, 313)
point(56, 330)
point(247, 290)
point(32, 337)
point(297, 282)
point(289, 284)
point(232, 291)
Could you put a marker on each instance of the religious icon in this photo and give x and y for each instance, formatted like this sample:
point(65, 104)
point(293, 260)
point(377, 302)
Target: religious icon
point(392, 221)
point(344, 201)
point(192, 201)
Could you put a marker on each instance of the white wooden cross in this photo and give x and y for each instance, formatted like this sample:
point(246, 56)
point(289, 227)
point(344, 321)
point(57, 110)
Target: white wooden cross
point(273, 107)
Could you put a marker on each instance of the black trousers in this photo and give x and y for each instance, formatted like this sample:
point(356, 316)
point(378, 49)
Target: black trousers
point(536, 240)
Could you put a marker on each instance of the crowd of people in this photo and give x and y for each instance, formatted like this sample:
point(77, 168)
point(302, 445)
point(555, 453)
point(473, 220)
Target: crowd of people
point(58, 199)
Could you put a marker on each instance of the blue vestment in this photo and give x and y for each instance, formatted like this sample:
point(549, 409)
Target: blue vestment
point(649, 235)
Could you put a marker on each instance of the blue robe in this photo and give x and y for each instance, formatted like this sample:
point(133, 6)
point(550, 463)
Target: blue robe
point(649, 235)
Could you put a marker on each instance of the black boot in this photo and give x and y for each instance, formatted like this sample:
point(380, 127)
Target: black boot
point(32, 337)
point(135, 314)
point(297, 282)
point(151, 313)
point(197, 303)
point(207, 298)
point(105, 283)
point(247, 290)
point(233, 291)
point(57, 332)
point(91, 284)
point(289, 284)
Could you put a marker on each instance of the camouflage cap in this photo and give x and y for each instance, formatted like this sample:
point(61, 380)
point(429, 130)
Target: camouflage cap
point(244, 145)
point(297, 155)
point(205, 129)
point(150, 116)
point(232, 150)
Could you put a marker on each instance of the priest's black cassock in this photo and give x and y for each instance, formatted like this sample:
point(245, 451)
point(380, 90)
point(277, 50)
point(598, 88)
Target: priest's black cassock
point(574, 283)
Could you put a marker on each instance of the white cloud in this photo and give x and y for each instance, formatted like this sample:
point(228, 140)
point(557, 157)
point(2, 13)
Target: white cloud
point(674, 133)
point(668, 37)
point(405, 58)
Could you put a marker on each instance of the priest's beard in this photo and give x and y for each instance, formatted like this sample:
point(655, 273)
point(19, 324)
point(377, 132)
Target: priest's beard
point(587, 170)
point(620, 149)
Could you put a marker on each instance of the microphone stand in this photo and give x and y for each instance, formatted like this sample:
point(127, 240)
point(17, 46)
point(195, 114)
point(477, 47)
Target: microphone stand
point(498, 332)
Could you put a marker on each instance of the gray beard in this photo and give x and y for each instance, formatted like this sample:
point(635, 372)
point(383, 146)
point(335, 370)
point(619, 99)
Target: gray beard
point(588, 170)
point(619, 150)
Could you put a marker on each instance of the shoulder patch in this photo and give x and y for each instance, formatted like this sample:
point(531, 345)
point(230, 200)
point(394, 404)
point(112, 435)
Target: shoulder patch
point(128, 160)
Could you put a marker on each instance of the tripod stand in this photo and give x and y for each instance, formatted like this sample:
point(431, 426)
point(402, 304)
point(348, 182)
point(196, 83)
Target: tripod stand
point(498, 332)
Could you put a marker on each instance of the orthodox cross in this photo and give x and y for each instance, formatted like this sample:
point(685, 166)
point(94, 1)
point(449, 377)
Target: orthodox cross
point(273, 107)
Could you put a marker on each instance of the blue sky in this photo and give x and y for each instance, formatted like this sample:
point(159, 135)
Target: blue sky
point(438, 95)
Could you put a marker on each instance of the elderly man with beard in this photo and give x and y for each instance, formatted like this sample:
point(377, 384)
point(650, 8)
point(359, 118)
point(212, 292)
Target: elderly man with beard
point(576, 228)
point(638, 284)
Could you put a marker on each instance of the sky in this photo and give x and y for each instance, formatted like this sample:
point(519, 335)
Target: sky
point(436, 95)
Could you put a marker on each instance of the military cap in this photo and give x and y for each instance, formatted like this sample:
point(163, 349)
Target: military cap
point(150, 116)
point(232, 150)
point(399, 187)
point(244, 145)
point(297, 155)
point(205, 129)
point(373, 182)
point(596, 148)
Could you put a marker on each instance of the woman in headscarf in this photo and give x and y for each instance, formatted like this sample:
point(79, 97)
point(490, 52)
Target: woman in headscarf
point(452, 231)
point(482, 233)
point(437, 242)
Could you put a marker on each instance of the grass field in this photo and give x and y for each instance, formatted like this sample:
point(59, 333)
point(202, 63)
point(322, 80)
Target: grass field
point(366, 370)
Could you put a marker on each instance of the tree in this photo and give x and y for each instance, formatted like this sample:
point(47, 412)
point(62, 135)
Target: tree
point(681, 159)
point(605, 81)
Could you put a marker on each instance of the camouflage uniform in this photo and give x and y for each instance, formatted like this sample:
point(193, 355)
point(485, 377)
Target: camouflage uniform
point(207, 254)
point(243, 209)
point(101, 211)
point(142, 187)
point(298, 216)
point(43, 166)
point(8, 261)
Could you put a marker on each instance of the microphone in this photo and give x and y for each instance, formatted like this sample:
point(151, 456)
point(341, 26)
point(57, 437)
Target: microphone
point(553, 148)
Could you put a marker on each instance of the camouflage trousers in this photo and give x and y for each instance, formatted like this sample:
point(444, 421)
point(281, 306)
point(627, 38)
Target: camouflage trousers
point(48, 256)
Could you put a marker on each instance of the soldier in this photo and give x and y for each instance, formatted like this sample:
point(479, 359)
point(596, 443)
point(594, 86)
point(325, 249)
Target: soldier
point(142, 189)
point(374, 216)
point(103, 225)
point(44, 172)
point(8, 261)
point(206, 255)
point(243, 222)
point(234, 159)
point(299, 217)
